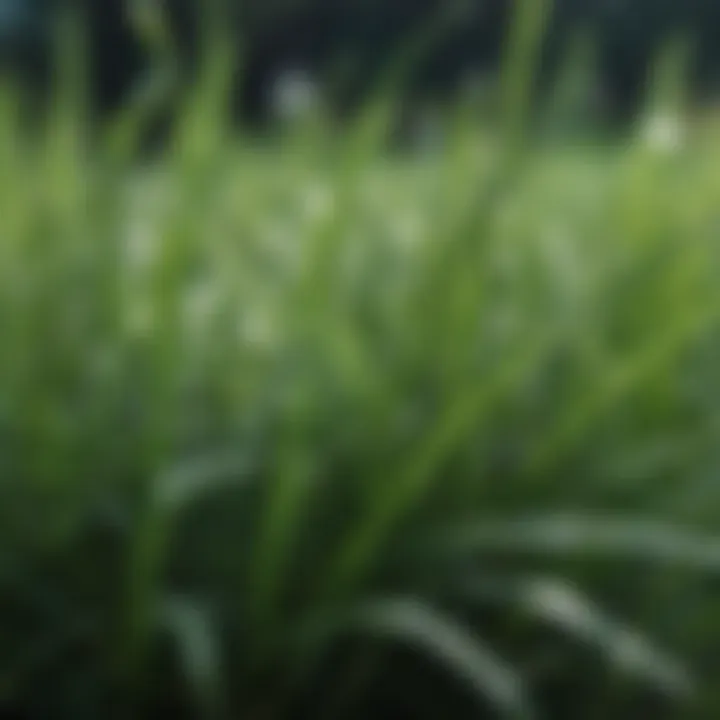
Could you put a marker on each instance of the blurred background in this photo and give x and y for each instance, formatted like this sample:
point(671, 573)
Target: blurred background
point(359, 358)
point(346, 46)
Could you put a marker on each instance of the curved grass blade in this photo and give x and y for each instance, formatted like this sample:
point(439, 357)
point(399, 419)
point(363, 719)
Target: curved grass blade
point(196, 638)
point(167, 497)
point(444, 641)
point(584, 535)
point(558, 603)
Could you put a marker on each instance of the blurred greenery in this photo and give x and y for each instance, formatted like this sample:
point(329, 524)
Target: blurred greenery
point(306, 428)
point(348, 44)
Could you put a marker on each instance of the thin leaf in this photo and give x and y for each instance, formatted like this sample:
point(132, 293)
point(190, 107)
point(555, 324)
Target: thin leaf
point(170, 493)
point(559, 603)
point(184, 483)
point(444, 641)
point(592, 535)
point(196, 637)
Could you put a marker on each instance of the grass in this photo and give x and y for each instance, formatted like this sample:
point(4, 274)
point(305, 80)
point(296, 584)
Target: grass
point(312, 431)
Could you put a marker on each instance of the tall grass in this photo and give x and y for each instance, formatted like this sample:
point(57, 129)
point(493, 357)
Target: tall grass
point(288, 432)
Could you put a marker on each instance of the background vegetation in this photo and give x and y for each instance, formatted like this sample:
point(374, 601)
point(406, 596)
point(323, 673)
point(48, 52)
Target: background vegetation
point(348, 44)
point(304, 428)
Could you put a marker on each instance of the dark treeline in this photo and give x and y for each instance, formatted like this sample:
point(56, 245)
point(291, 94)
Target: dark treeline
point(349, 43)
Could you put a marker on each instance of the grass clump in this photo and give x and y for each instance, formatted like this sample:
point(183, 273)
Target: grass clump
point(287, 433)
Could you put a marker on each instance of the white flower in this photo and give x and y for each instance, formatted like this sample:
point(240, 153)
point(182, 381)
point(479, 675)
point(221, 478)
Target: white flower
point(258, 328)
point(663, 132)
point(407, 229)
point(318, 202)
point(295, 95)
point(201, 302)
point(562, 255)
point(142, 244)
point(281, 241)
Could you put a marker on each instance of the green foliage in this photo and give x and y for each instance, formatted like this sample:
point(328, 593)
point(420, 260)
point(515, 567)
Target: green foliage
point(304, 430)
